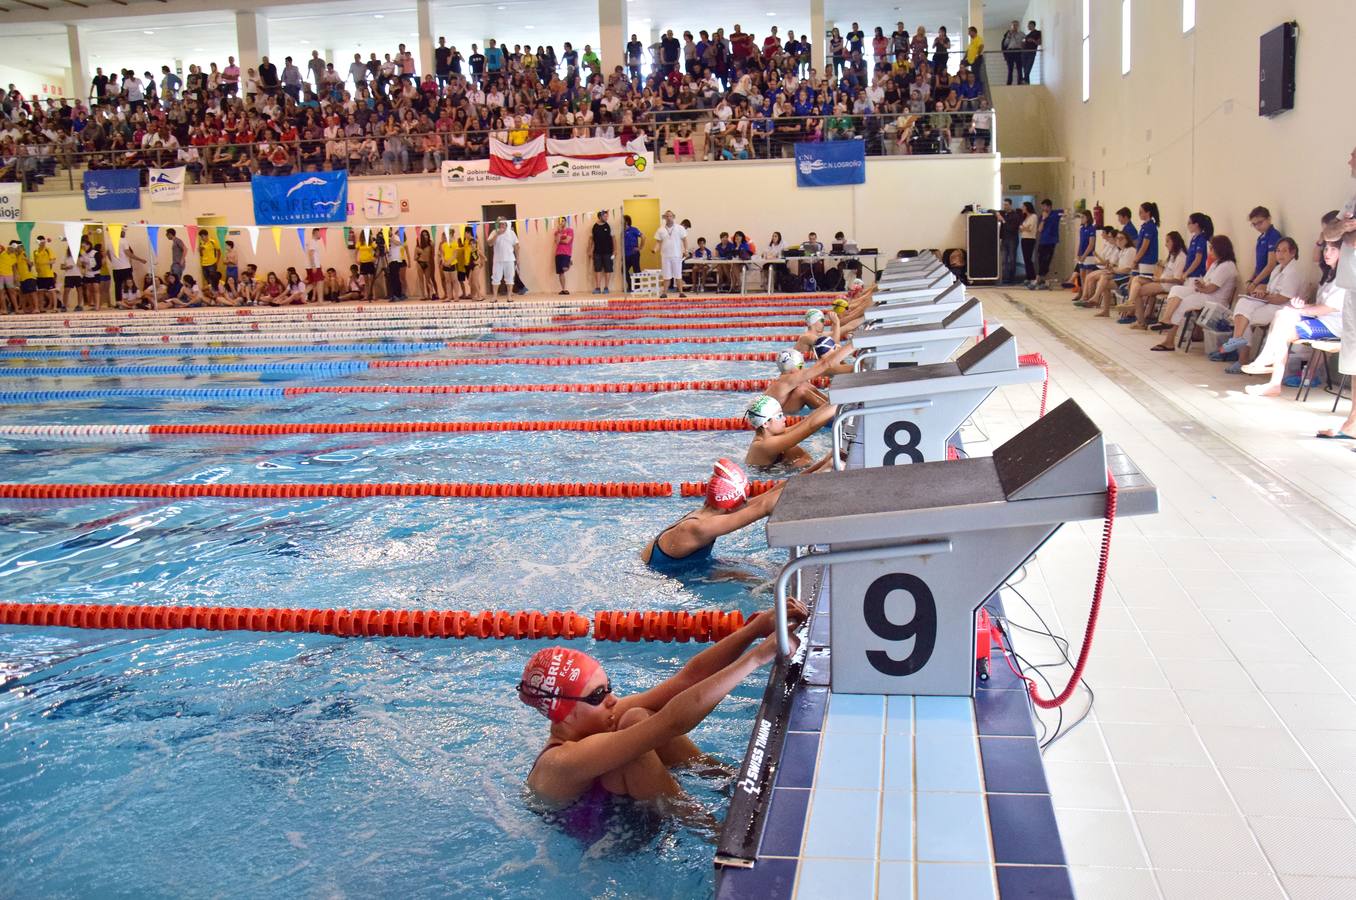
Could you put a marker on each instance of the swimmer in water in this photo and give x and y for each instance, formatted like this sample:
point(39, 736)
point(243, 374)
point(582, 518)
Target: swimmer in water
point(727, 509)
point(775, 442)
point(601, 744)
point(794, 388)
point(815, 322)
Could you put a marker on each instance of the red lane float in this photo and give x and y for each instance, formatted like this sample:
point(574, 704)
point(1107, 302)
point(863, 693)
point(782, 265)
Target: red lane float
point(611, 489)
point(704, 326)
point(625, 426)
point(531, 624)
point(633, 315)
point(698, 488)
point(620, 342)
point(707, 625)
point(566, 360)
point(621, 387)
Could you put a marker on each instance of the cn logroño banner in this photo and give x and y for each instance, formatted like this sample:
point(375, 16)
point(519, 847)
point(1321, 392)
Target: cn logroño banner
point(559, 169)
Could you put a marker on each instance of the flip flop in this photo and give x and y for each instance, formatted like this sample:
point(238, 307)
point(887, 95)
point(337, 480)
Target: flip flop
point(1340, 436)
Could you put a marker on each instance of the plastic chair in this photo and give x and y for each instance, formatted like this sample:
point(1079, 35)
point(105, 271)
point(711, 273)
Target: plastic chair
point(1322, 350)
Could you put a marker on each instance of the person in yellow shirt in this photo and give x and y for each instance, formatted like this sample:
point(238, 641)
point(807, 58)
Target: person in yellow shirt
point(448, 256)
point(23, 277)
point(44, 270)
point(366, 248)
point(9, 288)
point(974, 53)
point(468, 261)
point(209, 256)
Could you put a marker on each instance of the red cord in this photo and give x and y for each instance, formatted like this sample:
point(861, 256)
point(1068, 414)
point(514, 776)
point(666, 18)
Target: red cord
point(1096, 609)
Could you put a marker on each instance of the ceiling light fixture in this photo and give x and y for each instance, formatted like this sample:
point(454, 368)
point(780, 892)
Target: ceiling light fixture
point(148, 32)
point(378, 16)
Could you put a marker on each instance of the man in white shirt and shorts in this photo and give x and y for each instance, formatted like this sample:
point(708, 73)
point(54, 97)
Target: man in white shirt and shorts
point(672, 239)
point(504, 244)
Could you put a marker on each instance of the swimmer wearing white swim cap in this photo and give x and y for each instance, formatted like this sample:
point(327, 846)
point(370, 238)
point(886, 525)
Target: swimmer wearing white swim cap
point(794, 388)
point(602, 745)
point(775, 442)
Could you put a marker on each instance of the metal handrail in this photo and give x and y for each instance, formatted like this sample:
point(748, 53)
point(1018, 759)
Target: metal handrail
point(872, 354)
point(922, 548)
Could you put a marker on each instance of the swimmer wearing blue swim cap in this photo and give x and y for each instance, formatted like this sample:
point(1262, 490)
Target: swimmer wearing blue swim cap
point(601, 744)
point(775, 442)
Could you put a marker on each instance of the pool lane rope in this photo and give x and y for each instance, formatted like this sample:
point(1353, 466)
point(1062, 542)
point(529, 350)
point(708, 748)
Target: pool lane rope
point(702, 326)
point(611, 625)
point(259, 491)
point(618, 426)
point(345, 367)
point(622, 342)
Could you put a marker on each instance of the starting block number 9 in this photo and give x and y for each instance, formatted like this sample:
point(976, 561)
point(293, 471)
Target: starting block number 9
point(921, 629)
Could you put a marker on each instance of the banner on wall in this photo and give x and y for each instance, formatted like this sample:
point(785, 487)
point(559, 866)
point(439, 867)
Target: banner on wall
point(107, 189)
point(11, 200)
point(559, 169)
point(166, 185)
point(301, 199)
point(830, 163)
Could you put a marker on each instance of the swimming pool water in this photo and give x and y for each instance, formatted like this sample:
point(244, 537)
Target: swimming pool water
point(197, 764)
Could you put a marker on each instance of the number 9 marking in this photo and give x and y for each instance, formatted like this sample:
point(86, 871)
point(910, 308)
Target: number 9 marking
point(922, 627)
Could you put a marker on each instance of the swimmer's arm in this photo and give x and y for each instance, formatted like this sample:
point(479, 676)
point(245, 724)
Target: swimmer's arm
point(581, 761)
point(824, 366)
point(757, 508)
point(837, 327)
point(801, 430)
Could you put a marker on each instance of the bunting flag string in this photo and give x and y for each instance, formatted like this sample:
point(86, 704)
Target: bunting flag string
point(74, 232)
point(222, 231)
point(192, 237)
point(114, 239)
point(253, 232)
point(301, 238)
point(153, 236)
point(277, 238)
point(25, 230)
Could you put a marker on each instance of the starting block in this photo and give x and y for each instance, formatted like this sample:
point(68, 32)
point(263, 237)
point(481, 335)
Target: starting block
point(913, 551)
point(906, 415)
point(911, 267)
point(933, 307)
point(914, 288)
point(918, 344)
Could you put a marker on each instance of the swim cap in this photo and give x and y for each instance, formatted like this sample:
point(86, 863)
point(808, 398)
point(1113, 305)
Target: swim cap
point(813, 317)
point(824, 346)
point(762, 411)
point(840, 304)
point(790, 360)
point(728, 487)
point(551, 673)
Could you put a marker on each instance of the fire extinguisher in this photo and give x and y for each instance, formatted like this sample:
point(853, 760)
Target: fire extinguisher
point(1097, 213)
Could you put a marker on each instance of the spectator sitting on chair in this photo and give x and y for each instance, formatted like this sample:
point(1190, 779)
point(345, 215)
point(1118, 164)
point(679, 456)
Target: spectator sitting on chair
point(699, 270)
point(1144, 291)
point(1319, 321)
point(1259, 305)
point(1221, 278)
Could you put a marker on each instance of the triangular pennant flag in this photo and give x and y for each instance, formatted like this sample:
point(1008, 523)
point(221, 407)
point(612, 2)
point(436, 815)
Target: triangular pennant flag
point(325, 238)
point(277, 238)
point(253, 232)
point(222, 231)
point(401, 232)
point(301, 238)
point(386, 235)
point(192, 237)
point(25, 230)
point(153, 236)
point(474, 233)
point(74, 232)
point(367, 235)
point(114, 238)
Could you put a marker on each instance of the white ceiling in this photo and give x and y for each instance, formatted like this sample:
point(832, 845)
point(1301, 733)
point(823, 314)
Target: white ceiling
point(351, 26)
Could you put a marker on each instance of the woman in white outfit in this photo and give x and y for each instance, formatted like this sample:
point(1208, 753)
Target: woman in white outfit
point(1321, 320)
point(773, 251)
point(1257, 309)
point(1218, 285)
point(1144, 291)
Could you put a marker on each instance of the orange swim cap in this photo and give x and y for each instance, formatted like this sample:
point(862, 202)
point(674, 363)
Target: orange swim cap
point(554, 673)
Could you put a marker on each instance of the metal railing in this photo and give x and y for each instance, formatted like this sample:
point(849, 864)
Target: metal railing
point(1012, 68)
point(675, 137)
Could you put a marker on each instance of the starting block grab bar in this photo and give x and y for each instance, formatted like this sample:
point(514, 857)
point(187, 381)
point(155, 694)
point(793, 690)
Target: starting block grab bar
point(858, 409)
point(865, 355)
point(793, 567)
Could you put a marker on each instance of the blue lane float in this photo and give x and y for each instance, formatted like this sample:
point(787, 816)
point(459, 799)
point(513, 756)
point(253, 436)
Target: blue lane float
point(257, 393)
point(390, 347)
point(337, 367)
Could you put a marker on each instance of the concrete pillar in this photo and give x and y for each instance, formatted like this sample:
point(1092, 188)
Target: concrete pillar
point(251, 40)
point(612, 34)
point(817, 39)
point(80, 75)
point(975, 18)
point(426, 40)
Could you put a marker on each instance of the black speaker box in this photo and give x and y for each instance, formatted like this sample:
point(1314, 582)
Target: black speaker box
point(1276, 74)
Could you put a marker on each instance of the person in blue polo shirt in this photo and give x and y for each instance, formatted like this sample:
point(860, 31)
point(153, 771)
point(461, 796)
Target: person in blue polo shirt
point(1126, 220)
point(632, 243)
point(1267, 239)
point(1146, 248)
point(1201, 228)
point(1046, 242)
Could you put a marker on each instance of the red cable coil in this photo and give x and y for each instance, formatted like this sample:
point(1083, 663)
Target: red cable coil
point(622, 489)
point(1035, 359)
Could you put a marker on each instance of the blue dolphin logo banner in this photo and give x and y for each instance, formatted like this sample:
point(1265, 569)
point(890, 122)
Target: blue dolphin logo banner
point(112, 189)
point(830, 163)
point(301, 199)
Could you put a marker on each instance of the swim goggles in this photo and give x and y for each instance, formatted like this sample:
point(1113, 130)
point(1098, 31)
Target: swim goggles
point(594, 697)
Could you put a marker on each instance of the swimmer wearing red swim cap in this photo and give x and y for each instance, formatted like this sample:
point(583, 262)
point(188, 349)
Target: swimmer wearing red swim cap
point(627, 745)
point(727, 509)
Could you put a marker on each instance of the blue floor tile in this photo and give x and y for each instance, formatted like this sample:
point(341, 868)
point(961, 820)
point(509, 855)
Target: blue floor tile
point(899, 715)
point(842, 824)
point(896, 826)
point(898, 762)
point(943, 716)
point(785, 822)
point(1004, 713)
point(947, 763)
point(1034, 883)
point(771, 879)
point(824, 878)
point(797, 766)
point(1024, 830)
point(850, 760)
point(856, 712)
point(807, 709)
point(1012, 766)
point(896, 881)
point(951, 828)
point(955, 881)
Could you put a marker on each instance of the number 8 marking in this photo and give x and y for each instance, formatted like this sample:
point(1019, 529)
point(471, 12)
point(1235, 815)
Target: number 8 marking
point(895, 448)
point(922, 627)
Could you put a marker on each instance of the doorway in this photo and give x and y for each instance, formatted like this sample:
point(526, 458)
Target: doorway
point(644, 213)
point(489, 214)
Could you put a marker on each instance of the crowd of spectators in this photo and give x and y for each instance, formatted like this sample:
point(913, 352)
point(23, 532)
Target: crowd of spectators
point(708, 95)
